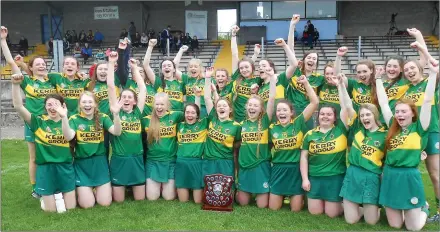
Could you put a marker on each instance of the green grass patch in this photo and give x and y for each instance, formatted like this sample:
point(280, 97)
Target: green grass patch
point(21, 212)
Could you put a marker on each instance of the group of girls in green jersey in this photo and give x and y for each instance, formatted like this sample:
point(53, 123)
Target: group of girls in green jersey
point(168, 130)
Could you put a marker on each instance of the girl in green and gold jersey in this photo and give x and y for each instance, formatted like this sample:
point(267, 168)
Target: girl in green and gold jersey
point(413, 71)
point(362, 180)
point(223, 134)
point(322, 163)
point(401, 190)
point(287, 136)
point(91, 163)
point(161, 130)
point(254, 153)
point(127, 163)
point(166, 81)
point(36, 88)
point(54, 171)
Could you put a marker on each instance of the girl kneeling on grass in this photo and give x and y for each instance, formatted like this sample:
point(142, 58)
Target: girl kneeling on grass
point(86, 129)
point(161, 129)
point(127, 163)
point(287, 135)
point(55, 172)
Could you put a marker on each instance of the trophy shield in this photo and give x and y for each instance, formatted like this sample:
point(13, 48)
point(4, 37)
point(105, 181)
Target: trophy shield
point(218, 194)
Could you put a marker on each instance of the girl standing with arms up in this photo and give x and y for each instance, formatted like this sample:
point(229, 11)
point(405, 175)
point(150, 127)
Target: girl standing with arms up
point(287, 135)
point(54, 171)
point(161, 129)
point(402, 189)
point(127, 164)
point(362, 180)
point(91, 162)
point(36, 88)
point(254, 154)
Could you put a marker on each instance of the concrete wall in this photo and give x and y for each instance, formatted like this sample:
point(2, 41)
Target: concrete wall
point(23, 18)
point(372, 18)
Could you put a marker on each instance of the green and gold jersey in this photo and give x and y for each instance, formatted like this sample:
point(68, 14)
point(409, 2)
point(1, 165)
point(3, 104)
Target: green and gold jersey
point(396, 91)
point(35, 92)
point(264, 90)
point(406, 147)
point(221, 137)
point(326, 150)
point(359, 92)
point(130, 140)
point(367, 150)
point(189, 83)
point(174, 89)
point(416, 93)
point(149, 98)
point(90, 140)
point(296, 92)
point(50, 144)
point(191, 138)
point(287, 140)
point(101, 94)
point(254, 147)
point(70, 90)
point(166, 148)
point(227, 91)
point(242, 92)
point(329, 95)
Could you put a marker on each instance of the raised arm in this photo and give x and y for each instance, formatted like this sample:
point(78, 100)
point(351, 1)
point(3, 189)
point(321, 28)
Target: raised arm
point(339, 54)
point(68, 132)
point(7, 52)
point(197, 93)
point(234, 48)
point(122, 69)
point(146, 64)
point(272, 93)
point(21, 64)
point(425, 110)
point(291, 36)
point(207, 94)
point(347, 110)
point(257, 49)
point(140, 83)
point(111, 88)
point(314, 100)
point(177, 59)
point(17, 101)
point(116, 129)
point(382, 98)
point(293, 62)
point(419, 38)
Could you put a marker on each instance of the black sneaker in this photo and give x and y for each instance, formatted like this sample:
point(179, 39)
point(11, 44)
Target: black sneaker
point(434, 219)
point(35, 195)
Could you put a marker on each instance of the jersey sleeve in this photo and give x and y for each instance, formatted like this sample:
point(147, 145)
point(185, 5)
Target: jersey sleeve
point(178, 116)
point(300, 122)
point(25, 82)
point(306, 141)
point(351, 85)
point(282, 80)
point(213, 114)
point(106, 121)
point(72, 123)
point(238, 132)
point(145, 122)
point(184, 79)
point(35, 122)
point(54, 78)
point(235, 75)
point(157, 83)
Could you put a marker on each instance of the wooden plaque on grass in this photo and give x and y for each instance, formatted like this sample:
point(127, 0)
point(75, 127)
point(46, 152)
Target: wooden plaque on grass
point(218, 194)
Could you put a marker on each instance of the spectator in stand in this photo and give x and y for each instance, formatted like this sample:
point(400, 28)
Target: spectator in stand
point(50, 45)
point(77, 50)
point(86, 52)
point(108, 51)
point(194, 44)
point(163, 39)
point(151, 34)
point(66, 45)
point(132, 31)
point(123, 34)
point(99, 37)
point(136, 40)
point(179, 40)
point(74, 37)
point(68, 36)
point(305, 35)
point(187, 40)
point(144, 40)
point(24, 46)
point(295, 35)
point(82, 37)
point(100, 56)
point(316, 36)
point(311, 33)
point(90, 38)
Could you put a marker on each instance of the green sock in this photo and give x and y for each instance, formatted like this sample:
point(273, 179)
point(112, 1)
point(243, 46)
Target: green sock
point(437, 203)
point(33, 187)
